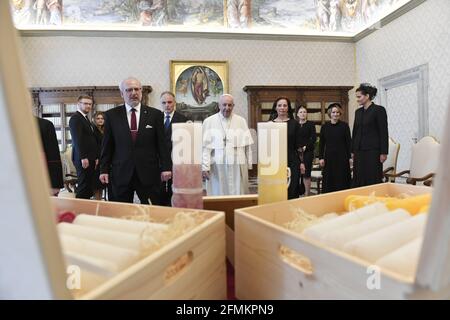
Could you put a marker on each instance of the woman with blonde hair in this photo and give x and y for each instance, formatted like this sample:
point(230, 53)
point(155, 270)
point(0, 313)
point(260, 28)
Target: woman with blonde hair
point(335, 151)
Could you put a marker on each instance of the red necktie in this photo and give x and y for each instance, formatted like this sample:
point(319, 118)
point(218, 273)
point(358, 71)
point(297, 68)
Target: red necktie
point(133, 125)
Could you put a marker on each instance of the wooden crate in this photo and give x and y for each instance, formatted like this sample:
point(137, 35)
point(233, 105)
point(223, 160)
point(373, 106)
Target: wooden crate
point(263, 272)
point(228, 204)
point(203, 276)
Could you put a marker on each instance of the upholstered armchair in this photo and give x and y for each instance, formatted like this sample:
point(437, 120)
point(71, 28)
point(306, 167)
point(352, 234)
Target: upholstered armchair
point(424, 162)
point(70, 173)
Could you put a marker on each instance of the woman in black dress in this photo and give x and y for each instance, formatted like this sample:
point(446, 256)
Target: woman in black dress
point(282, 112)
point(99, 124)
point(335, 151)
point(370, 138)
point(308, 137)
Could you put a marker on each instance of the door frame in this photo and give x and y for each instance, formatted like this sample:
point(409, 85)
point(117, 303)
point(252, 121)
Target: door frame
point(418, 75)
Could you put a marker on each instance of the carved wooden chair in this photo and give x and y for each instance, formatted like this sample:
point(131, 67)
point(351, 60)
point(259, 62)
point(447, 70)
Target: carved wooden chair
point(70, 173)
point(390, 165)
point(316, 176)
point(424, 162)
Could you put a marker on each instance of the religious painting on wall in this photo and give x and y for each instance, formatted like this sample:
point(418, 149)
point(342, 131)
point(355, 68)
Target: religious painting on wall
point(283, 14)
point(321, 15)
point(156, 13)
point(198, 86)
point(311, 17)
point(37, 12)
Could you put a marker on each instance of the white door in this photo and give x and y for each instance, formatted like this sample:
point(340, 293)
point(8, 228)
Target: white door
point(405, 97)
point(403, 120)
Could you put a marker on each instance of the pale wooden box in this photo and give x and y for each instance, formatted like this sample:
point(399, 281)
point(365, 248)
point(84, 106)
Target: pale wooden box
point(203, 277)
point(262, 272)
point(229, 204)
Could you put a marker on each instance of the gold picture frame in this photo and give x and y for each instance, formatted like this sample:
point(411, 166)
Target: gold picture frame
point(198, 85)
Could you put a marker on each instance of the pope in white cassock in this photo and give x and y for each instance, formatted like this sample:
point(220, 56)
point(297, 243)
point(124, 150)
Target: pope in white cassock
point(226, 151)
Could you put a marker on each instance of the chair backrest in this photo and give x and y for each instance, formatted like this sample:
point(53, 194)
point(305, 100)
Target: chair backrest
point(69, 167)
point(391, 161)
point(424, 157)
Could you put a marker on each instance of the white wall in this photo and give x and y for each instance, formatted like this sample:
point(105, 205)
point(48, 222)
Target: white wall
point(418, 37)
point(79, 61)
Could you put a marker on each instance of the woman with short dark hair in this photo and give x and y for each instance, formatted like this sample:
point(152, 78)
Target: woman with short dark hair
point(370, 138)
point(308, 137)
point(282, 112)
point(98, 122)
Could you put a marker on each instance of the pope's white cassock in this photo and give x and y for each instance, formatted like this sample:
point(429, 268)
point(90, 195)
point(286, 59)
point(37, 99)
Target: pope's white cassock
point(226, 154)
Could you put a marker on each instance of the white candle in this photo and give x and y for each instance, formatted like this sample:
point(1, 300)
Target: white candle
point(403, 260)
point(339, 238)
point(319, 231)
point(115, 238)
point(378, 244)
point(121, 225)
point(121, 257)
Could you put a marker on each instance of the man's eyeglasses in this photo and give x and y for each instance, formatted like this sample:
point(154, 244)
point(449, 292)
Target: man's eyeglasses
point(130, 90)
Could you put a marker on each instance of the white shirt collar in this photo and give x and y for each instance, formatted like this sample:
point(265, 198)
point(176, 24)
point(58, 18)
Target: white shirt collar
point(82, 113)
point(170, 114)
point(138, 107)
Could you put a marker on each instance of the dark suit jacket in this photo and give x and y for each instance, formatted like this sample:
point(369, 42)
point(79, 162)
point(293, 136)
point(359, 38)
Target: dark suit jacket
point(177, 118)
point(148, 155)
point(51, 150)
point(84, 140)
point(370, 129)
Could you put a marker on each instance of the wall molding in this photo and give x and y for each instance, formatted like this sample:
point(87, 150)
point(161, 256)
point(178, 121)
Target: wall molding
point(129, 33)
point(419, 76)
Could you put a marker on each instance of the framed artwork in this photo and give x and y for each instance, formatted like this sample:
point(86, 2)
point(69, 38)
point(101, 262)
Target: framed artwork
point(198, 86)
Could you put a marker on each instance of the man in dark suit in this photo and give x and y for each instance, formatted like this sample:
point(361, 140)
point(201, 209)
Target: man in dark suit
point(370, 141)
point(134, 148)
point(168, 104)
point(52, 155)
point(85, 148)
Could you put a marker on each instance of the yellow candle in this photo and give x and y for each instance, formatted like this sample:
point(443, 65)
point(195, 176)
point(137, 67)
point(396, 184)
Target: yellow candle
point(413, 205)
point(272, 162)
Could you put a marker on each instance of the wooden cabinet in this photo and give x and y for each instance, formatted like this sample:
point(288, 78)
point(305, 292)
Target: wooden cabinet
point(58, 105)
point(316, 99)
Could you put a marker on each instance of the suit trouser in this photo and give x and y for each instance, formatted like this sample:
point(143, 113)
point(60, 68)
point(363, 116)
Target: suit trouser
point(85, 181)
point(110, 194)
point(145, 193)
point(166, 193)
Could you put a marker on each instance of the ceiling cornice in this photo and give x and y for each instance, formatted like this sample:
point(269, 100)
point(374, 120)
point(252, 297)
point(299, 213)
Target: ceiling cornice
point(118, 33)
